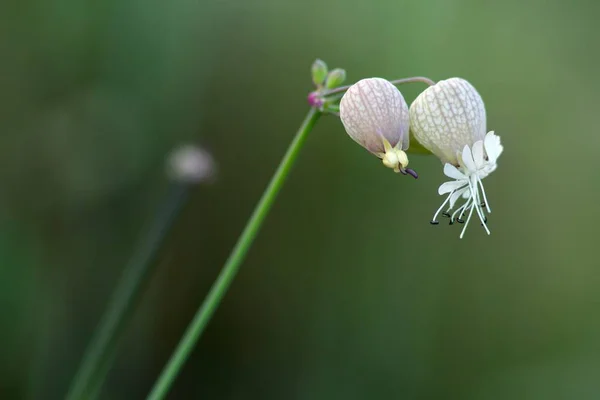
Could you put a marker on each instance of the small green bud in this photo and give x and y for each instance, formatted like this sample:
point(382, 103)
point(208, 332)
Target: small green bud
point(319, 72)
point(335, 78)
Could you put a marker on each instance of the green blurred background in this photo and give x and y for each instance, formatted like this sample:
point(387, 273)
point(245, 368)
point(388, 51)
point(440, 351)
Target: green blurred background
point(348, 292)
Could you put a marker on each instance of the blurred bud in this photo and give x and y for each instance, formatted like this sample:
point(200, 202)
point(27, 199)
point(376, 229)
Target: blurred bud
point(191, 164)
point(375, 116)
point(448, 116)
point(335, 78)
point(319, 72)
point(315, 100)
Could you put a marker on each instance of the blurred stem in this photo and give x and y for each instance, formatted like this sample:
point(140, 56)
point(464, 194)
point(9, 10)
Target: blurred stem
point(414, 79)
point(229, 270)
point(397, 82)
point(100, 352)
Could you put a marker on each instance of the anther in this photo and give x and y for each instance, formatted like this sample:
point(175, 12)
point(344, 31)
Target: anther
point(446, 214)
point(434, 222)
point(412, 173)
point(460, 221)
point(482, 205)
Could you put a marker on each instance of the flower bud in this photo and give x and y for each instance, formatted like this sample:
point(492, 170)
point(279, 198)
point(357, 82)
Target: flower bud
point(190, 164)
point(319, 72)
point(448, 116)
point(375, 116)
point(335, 78)
point(315, 100)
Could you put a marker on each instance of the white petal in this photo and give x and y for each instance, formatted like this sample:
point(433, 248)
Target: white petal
point(456, 195)
point(486, 170)
point(467, 159)
point(406, 140)
point(447, 187)
point(452, 172)
point(478, 154)
point(493, 148)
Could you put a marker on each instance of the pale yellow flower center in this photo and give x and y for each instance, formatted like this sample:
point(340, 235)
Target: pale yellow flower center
point(393, 157)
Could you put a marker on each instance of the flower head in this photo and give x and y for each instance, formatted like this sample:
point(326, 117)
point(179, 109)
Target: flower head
point(375, 116)
point(449, 120)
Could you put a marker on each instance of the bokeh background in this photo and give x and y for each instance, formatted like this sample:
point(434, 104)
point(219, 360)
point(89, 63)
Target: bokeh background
point(348, 292)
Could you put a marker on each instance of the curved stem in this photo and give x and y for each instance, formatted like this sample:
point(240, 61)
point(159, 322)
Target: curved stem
point(229, 270)
point(100, 352)
point(396, 82)
point(414, 79)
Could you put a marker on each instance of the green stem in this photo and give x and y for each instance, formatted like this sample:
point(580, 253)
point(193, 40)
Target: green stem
point(99, 353)
point(229, 270)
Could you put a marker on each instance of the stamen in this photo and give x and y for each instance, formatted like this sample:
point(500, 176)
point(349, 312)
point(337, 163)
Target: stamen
point(467, 223)
point(484, 196)
point(458, 212)
point(461, 208)
point(457, 194)
point(482, 217)
point(475, 202)
point(412, 173)
point(480, 213)
point(442, 206)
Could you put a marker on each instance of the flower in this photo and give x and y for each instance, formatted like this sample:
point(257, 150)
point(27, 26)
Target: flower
point(375, 116)
point(449, 120)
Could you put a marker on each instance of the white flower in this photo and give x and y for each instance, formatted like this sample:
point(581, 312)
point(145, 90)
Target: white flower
point(375, 116)
point(449, 120)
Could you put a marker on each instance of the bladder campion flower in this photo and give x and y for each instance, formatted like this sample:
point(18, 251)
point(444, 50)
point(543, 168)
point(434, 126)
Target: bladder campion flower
point(375, 116)
point(449, 120)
